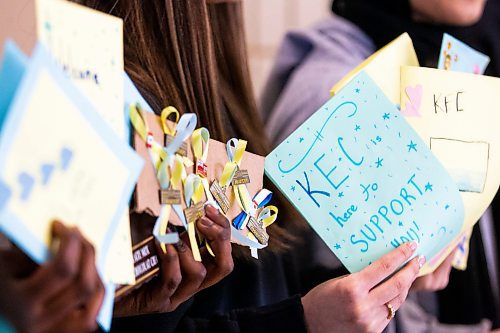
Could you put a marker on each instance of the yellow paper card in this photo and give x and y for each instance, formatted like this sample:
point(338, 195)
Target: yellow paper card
point(457, 116)
point(88, 45)
point(384, 67)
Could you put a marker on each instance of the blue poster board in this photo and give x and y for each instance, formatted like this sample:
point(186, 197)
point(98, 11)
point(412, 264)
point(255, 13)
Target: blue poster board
point(364, 180)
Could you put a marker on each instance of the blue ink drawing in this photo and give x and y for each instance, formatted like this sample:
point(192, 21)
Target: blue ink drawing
point(341, 191)
point(66, 157)
point(27, 183)
point(47, 170)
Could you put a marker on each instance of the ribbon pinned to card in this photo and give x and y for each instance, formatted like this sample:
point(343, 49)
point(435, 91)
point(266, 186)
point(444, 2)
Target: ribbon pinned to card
point(200, 142)
point(182, 131)
point(155, 150)
point(235, 151)
point(250, 207)
point(193, 195)
point(267, 216)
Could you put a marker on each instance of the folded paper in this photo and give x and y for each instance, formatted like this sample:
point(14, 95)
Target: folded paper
point(88, 45)
point(364, 180)
point(457, 120)
point(384, 67)
point(60, 160)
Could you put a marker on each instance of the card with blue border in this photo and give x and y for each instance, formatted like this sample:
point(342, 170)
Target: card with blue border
point(60, 160)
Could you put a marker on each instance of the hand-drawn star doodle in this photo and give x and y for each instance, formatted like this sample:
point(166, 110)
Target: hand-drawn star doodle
point(412, 146)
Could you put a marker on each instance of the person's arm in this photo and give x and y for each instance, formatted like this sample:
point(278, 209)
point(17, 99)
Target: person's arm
point(353, 303)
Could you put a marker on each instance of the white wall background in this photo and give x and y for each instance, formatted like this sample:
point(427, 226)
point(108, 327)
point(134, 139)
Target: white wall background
point(266, 21)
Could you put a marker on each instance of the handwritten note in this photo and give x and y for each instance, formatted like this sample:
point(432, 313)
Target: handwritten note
point(60, 160)
point(88, 45)
point(364, 180)
point(384, 67)
point(459, 57)
point(457, 119)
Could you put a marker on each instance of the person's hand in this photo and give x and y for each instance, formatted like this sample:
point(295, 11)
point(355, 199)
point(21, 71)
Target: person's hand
point(436, 280)
point(357, 302)
point(180, 275)
point(452, 12)
point(64, 295)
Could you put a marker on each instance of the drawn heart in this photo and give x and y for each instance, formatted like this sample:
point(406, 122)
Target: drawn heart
point(66, 157)
point(27, 183)
point(47, 171)
point(5, 194)
point(414, 101)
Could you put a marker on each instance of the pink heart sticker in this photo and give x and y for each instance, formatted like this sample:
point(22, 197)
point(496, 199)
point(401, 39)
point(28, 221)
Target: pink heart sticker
point(414, 101)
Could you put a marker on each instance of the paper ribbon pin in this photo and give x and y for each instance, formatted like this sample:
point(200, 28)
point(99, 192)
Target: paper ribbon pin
point(168, 166)
point(184, 129)
point(200, 141)
point(259, 200)
point(193, 194)
point(267, 216)
point(155, 150)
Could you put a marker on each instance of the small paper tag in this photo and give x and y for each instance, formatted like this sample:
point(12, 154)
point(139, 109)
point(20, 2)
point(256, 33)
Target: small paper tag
point(170, 197)
point(220, 196)
point(146, 264)
point(201, 168)
point(182, 149)
point(195, 212)
point(241, 177)
point(258, 230)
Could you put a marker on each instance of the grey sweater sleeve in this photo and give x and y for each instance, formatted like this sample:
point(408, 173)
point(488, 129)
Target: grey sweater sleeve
point(411, 318)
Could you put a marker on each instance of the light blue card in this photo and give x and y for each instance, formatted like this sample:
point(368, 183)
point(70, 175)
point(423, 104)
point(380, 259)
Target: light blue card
point(12, 69)
point(10, 223)
point(364, 180)
point(460, 57)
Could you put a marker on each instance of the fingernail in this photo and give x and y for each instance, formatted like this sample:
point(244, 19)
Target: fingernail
point(180, 246)
point(421, 261)
point(206, 222)
point(212, 210)
point(413, 245)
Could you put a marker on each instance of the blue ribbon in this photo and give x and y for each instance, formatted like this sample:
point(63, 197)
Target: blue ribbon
point(240, 221)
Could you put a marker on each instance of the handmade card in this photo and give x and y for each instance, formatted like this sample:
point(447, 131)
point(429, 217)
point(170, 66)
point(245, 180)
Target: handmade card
point(12, 69)
point(88, 44)
point(384, 67)
point(455, 115)
point(364, 180)
point(60, 160)
point(459, 57)
point(146, 194)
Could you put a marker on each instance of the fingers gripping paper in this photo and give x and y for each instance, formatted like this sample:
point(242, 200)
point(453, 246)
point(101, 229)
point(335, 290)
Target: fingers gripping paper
point(364, 180)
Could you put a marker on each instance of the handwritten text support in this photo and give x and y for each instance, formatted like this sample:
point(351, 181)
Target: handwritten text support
point(364, 180)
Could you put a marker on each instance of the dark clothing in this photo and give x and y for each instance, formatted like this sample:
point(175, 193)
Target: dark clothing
point(468, 298)
point(384, 20)
point(258, 296)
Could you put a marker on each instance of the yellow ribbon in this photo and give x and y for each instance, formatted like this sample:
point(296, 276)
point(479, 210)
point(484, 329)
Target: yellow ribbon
point(193, 192)
point(235, 150)
point(165, 114)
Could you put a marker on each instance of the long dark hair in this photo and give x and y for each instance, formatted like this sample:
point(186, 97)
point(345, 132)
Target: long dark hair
point(192, 55)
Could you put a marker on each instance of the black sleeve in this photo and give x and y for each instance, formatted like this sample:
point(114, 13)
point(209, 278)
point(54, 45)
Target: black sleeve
point(287, 315)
